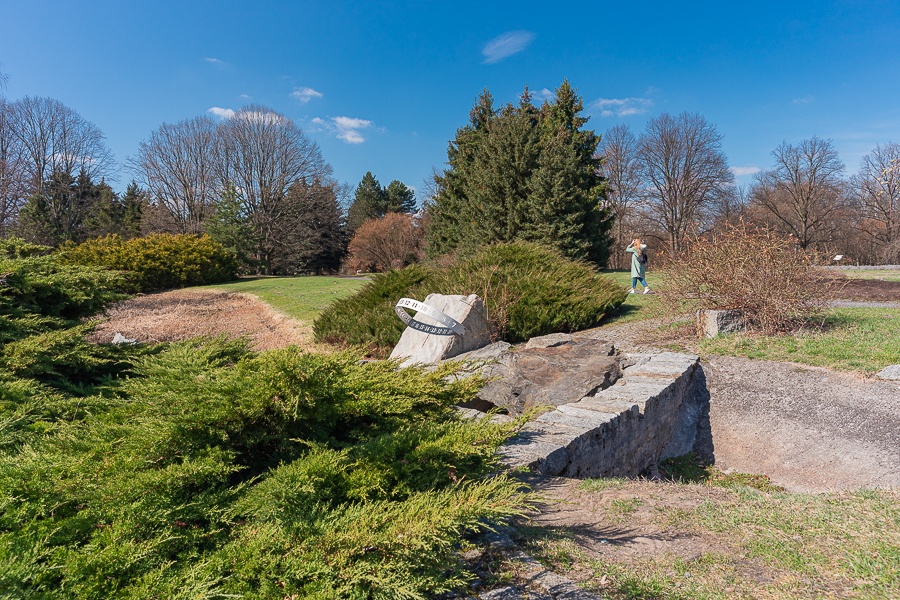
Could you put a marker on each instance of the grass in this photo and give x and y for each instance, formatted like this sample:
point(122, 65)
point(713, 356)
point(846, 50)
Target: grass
point(637, 306)
point(745, 544)
point(302, 298)
point(852, 339)
point(883, 274)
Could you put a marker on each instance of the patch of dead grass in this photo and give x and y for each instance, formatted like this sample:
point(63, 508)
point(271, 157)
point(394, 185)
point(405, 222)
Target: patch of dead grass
point(182, 314)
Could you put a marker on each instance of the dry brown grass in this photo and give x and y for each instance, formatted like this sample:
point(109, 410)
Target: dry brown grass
point(182, 314)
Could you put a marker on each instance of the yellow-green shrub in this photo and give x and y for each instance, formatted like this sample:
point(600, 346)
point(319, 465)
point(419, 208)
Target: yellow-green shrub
point(159, 261)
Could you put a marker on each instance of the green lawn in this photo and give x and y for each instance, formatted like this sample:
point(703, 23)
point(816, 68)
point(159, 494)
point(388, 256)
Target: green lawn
point(302, 298)
point(884, 274)
point(853, 339)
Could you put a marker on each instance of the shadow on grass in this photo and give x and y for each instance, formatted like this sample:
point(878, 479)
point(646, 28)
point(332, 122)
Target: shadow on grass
point(623, 311)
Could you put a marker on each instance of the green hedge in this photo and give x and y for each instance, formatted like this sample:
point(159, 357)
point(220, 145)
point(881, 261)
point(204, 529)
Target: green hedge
point(159, 261)
point(528, 289)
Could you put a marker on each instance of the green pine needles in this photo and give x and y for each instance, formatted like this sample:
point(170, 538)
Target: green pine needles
point(528, 289)
point(523, 173)
point(204, 470)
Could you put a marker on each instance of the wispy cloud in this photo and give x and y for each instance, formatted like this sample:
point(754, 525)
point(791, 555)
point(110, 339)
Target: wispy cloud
point(305, 94)
point(344, 128)
point(544, 94)
point(507, 44)
point(807, 99)
point(222, 113)
point(739, 171)
point(216, 62)
point(621, 107)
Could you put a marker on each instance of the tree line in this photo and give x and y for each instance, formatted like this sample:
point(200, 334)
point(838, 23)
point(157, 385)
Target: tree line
point(253, 181)
point(256, 183)
point(672, 182)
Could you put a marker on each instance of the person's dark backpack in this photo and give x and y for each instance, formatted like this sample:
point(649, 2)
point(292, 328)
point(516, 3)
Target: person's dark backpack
point(642, 258)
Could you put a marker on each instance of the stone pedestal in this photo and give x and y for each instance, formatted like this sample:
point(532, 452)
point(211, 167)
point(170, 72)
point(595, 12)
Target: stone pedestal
point(426, 348)
point(711, 323)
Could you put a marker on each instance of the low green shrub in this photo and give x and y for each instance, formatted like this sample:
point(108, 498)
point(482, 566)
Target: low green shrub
point(216, 472)
point(40, 285)
point(13, 247)
point(158, 261)
point(528, 290)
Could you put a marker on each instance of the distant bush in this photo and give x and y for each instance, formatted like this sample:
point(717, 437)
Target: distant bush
point(215, 472)
point(763, 275)
point(158, 261)
point(14, 247)
point(528, 290)
point(390, 242)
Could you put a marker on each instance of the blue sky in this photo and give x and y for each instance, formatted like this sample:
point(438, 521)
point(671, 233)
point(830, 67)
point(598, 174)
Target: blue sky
point(383, 86)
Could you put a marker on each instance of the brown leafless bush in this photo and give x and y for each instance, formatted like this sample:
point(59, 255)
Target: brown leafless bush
point(390, 242)
point(763, 275)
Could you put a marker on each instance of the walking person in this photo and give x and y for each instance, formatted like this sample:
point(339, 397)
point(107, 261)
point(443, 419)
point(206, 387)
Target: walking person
point(638, 264)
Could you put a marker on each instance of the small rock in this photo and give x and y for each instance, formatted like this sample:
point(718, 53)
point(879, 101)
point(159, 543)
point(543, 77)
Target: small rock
point(891, 373)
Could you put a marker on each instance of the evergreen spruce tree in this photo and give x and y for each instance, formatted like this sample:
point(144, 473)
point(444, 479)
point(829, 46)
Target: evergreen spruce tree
point(134, 201)
point(230, 225)
point(523, 173)
point(399, 198)
point(369, 202)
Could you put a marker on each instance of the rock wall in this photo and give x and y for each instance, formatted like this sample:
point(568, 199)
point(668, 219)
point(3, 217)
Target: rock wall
point(658, 408)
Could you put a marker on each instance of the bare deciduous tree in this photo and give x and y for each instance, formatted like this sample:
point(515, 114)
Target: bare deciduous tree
point(624, 186)
point(55, 139)
point(262, 153)
point(685, 170)
point(177, 165)
point(12, 174)
point(803, 192)
point(877, 190)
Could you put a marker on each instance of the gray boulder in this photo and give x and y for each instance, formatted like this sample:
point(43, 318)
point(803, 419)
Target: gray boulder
point(417, 347)
point(891, 373)
point(711, 323)
point(551, 370)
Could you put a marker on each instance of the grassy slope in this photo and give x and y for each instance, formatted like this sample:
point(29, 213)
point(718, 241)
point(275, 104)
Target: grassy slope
point(754, 544)
point(885, 274)
point(852, 339)
point(302, 298)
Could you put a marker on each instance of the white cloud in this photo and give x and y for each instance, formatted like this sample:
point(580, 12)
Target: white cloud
point(216, 62)
point(305, 94)
point(621, 107)
point(343, 128)
point(807, 99)
point(348, 129)
point(740, 171)
point(222, 113)
point(505, 45)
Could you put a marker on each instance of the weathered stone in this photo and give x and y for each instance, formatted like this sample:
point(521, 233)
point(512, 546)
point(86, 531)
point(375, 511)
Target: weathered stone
point(891, 372)
point(416, 347)
point(121, 339)
point(551, 375)
point(549, 341)
point(711, 323)
point(623, 430)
